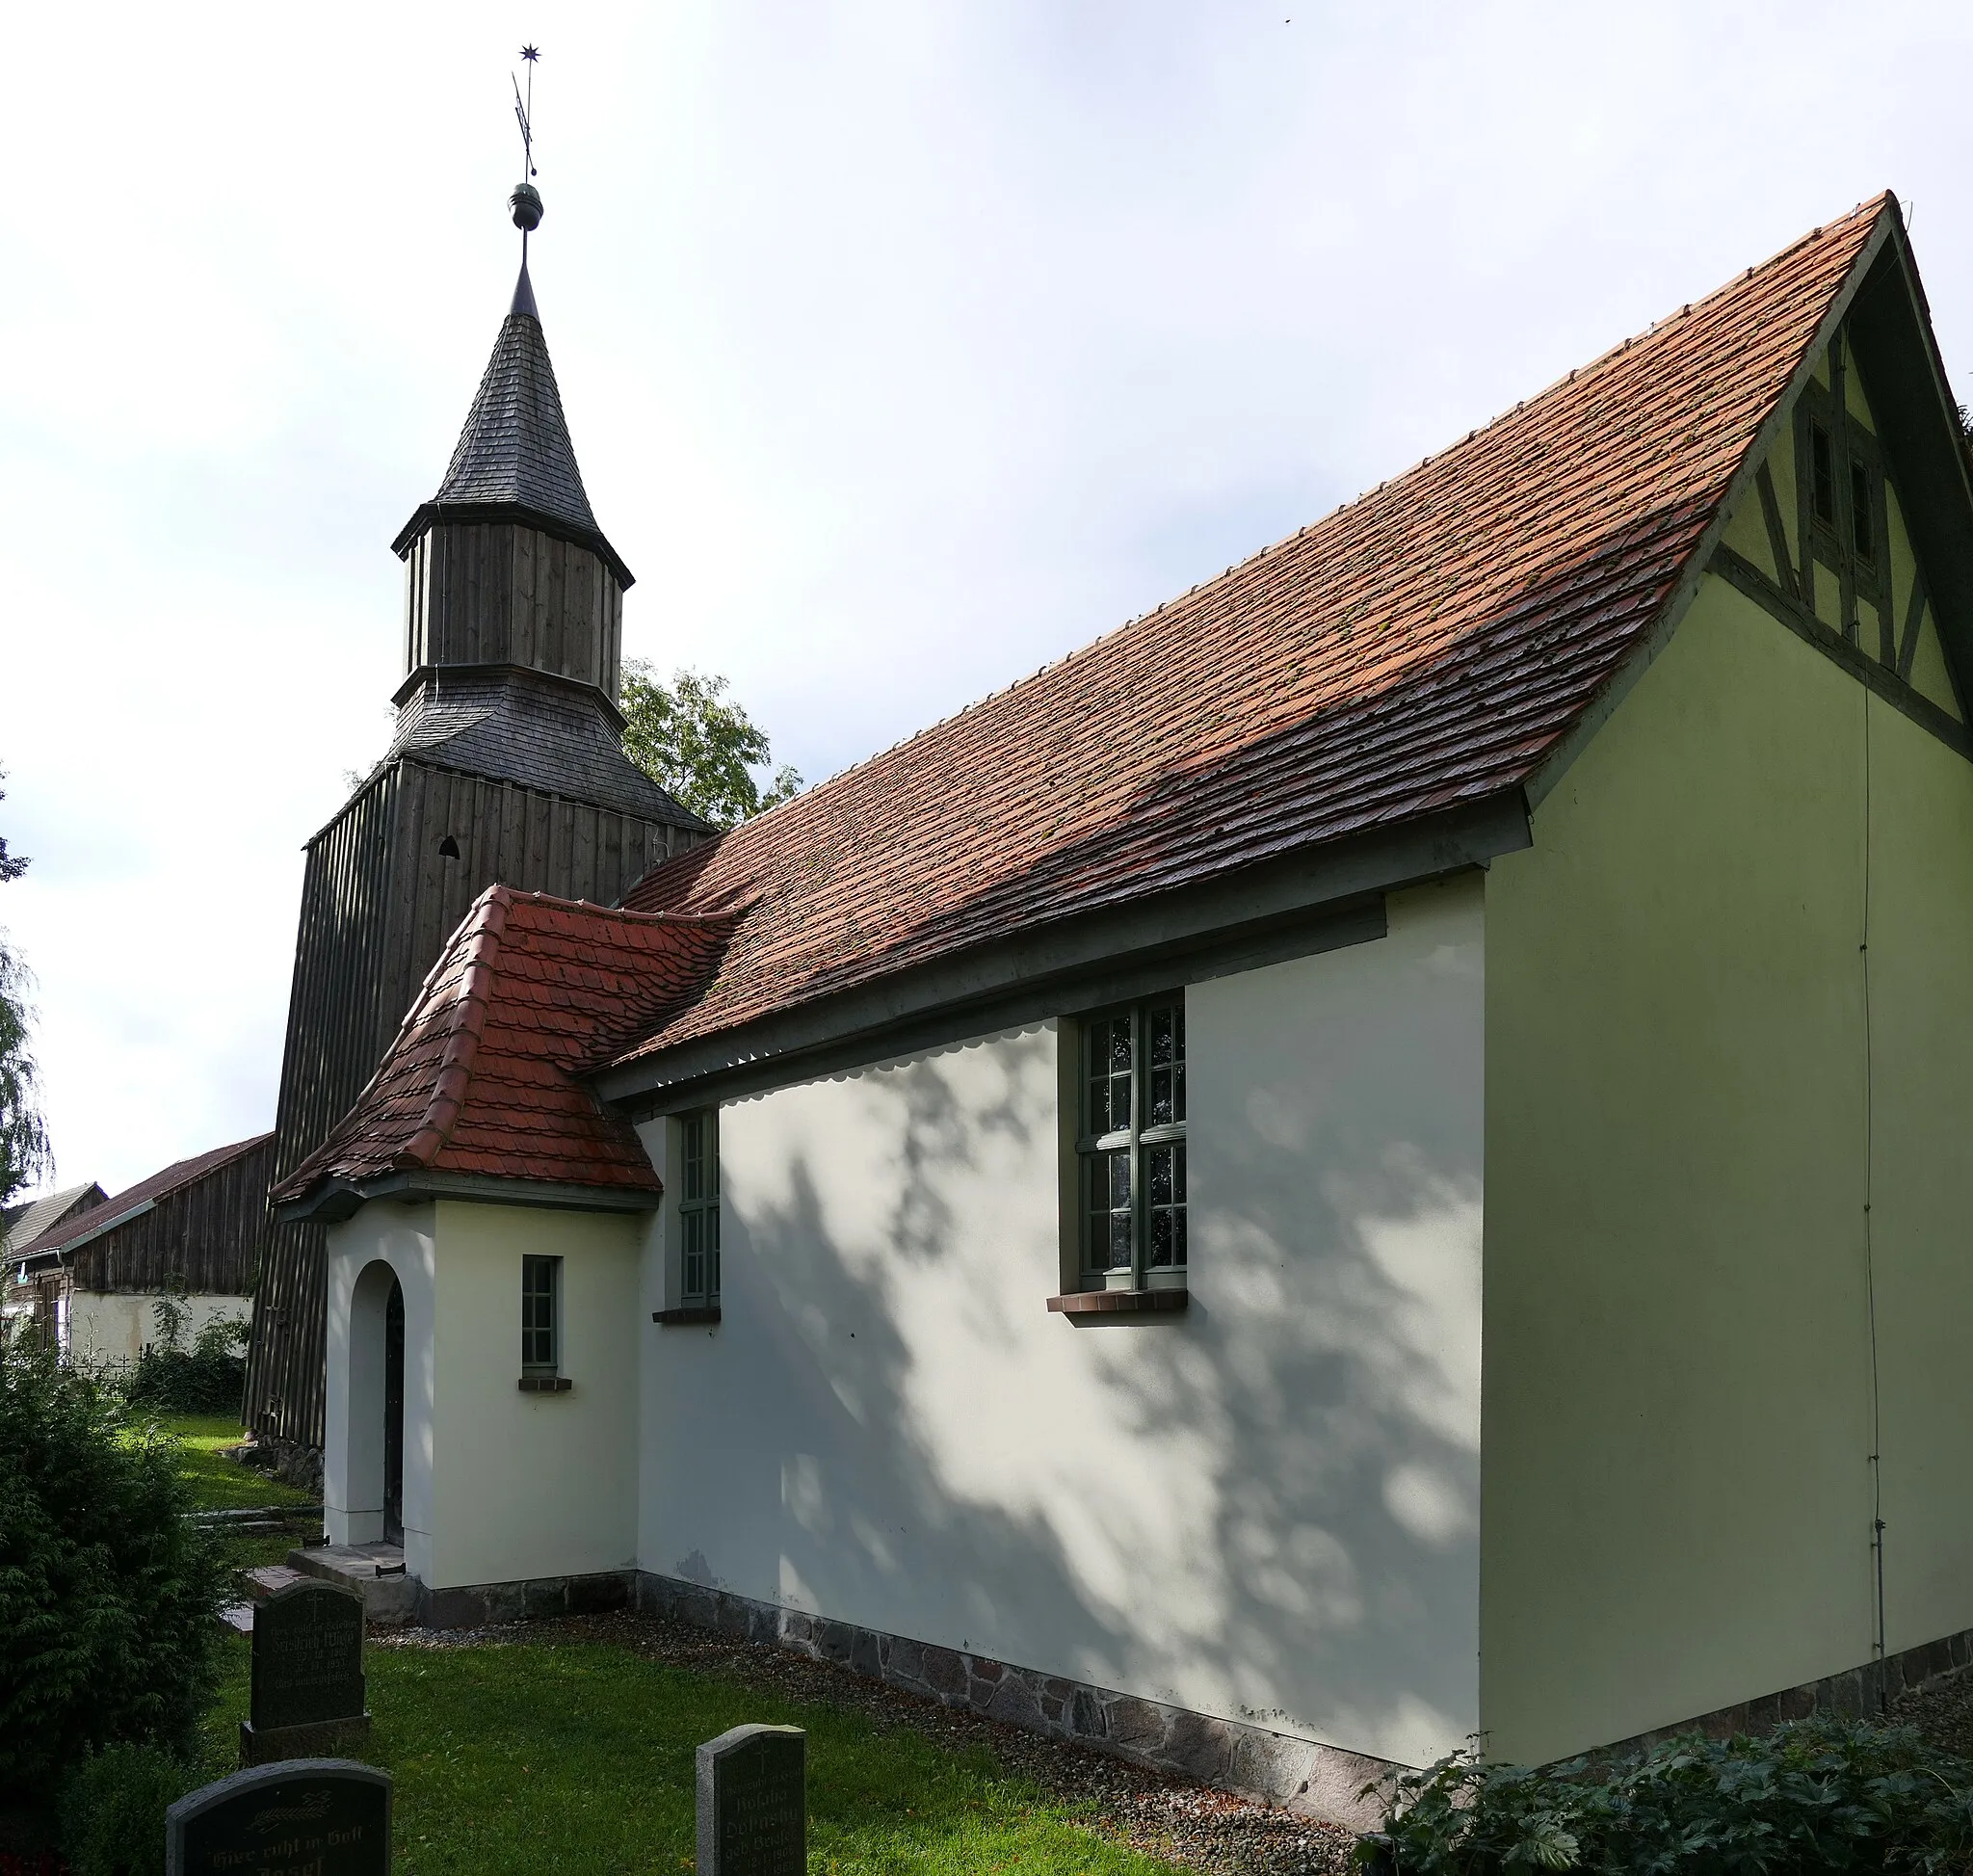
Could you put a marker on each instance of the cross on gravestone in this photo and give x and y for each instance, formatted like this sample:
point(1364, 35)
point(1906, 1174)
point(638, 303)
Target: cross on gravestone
point(754, 1803)
point(306, 1817)
point(307, 1693)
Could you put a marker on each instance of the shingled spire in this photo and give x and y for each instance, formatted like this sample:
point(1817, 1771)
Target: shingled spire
point(504, 567)
point(514, 460)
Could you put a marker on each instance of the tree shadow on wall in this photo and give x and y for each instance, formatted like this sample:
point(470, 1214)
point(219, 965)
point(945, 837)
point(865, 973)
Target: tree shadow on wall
point(1267, 1510)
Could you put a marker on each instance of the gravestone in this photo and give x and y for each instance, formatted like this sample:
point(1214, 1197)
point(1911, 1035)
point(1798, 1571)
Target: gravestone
point(307, 1696)
point(754, 1803)
point(306, 1817)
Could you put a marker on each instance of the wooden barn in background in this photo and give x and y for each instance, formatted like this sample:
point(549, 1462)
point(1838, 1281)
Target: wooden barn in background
point(194, 1230)
point(506, 768)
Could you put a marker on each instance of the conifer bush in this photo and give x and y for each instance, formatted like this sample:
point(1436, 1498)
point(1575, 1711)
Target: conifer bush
point(109, 1597)
point(112, 1810)
point(1817, 1796)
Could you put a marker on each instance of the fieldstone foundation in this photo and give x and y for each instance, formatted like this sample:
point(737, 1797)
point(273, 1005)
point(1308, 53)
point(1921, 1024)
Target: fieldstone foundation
point(1296, 1774)
point(1277, 1768)
point(484, 1605)
point(286, 1460)
point(1853, 1694)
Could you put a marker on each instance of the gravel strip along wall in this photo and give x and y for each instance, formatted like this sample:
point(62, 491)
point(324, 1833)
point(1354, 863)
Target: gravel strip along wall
point(1296, 1774)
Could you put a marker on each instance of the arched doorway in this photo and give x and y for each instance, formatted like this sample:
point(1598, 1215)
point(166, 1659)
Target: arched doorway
point(394, 1415)
point(363, 1456)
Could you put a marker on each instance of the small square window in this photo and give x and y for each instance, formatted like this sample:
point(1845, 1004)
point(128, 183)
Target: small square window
point(541, 1310)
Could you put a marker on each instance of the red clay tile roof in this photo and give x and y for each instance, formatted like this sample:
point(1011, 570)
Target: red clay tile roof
point(121, 1206)
point(484, 1078)
point(1430, 645)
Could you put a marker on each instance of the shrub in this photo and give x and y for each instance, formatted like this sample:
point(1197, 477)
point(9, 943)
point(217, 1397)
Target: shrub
point(1819, 1795)
point(112, 1810)
point(210, 1378)
point(108, 1596)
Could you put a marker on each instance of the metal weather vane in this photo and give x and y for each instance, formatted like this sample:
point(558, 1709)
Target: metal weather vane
point(526, 201)
point(524, 107)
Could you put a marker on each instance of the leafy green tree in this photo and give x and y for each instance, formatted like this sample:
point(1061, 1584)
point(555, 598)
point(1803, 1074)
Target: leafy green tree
point(23, 1133)
point(690, 738)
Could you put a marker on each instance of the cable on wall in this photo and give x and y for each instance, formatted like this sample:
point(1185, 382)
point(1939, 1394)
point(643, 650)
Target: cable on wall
point(1877, 1481)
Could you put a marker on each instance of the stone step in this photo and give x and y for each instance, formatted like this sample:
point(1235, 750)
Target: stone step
point(262, 1583)
point(376, 1570)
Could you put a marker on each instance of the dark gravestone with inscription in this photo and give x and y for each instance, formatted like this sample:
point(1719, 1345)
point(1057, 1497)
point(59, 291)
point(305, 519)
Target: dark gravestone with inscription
point(308, 1817)
point(754, 1803)
point(308, 1675)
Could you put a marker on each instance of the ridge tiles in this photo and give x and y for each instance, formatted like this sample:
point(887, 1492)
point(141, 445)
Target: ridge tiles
point(484, 1078)
point(1431, 645)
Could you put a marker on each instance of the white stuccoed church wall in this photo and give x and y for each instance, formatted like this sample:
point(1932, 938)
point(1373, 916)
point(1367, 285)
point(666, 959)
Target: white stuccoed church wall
point(499, 1486)
point(1265, 1510)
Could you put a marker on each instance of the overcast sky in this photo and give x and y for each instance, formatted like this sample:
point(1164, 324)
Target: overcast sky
point(904, 346)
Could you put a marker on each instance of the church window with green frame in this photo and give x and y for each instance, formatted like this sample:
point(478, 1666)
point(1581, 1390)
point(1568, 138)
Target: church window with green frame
point(540, 1310)
point(699, 1209)
point(1131, 1145)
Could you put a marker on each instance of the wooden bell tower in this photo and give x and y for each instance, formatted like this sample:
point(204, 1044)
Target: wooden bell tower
point(507, 767)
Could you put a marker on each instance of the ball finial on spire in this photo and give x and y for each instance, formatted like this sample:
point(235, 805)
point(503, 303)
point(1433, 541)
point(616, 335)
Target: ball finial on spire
point(526, 206)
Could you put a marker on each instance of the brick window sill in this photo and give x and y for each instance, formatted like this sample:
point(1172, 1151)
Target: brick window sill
point(546, 1383)
point(685, 1318)
point(1113, 1305)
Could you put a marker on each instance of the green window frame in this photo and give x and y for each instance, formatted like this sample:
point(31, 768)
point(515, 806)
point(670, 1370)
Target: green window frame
point(1130, 1146)
point(541, 1316)
point(699, 1209)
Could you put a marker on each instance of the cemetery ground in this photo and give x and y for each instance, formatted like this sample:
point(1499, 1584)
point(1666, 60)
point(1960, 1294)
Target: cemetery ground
point(567, 1749)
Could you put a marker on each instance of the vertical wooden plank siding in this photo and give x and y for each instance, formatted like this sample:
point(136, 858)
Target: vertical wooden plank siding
point(206, 1235)
point(497, 592)
point(378, 904)
point(333, 1005)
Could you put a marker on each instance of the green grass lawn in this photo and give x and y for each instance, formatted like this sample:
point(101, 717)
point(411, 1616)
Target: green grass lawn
point(576, 1760)
point(218, 1483)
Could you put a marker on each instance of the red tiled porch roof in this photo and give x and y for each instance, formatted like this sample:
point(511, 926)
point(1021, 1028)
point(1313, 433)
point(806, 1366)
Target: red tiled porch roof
point(484, 1080)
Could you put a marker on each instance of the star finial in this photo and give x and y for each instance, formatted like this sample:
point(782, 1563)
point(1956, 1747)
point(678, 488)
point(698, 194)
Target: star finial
point(531, 53)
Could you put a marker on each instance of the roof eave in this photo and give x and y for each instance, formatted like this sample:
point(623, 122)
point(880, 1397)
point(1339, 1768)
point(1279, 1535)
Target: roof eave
point(1047, 970)
point(431, 514)
point(329, 1200)
point(94, 1230)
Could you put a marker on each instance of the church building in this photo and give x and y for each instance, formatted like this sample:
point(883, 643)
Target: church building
point(1376, 1155)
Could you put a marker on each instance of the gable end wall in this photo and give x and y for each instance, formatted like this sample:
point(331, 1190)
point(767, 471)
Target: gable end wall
point(1689, 1104)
